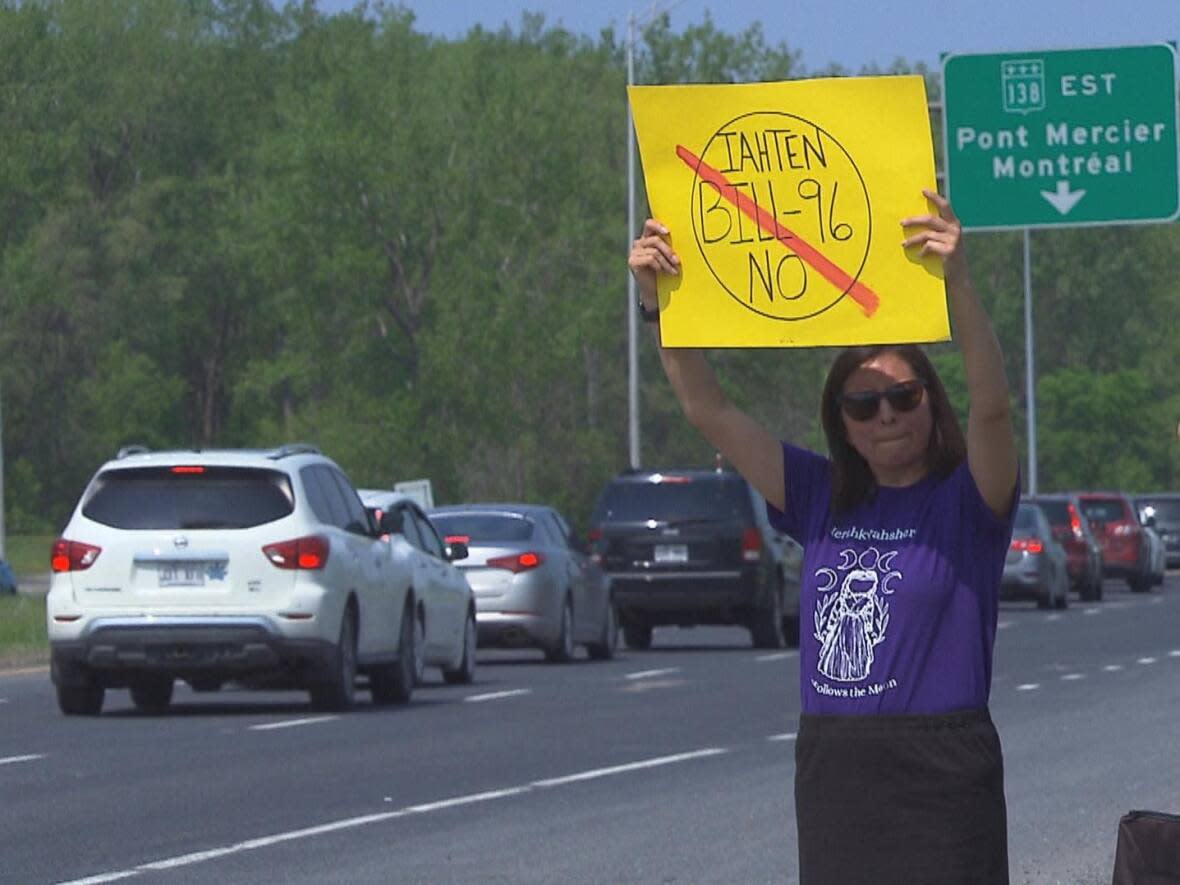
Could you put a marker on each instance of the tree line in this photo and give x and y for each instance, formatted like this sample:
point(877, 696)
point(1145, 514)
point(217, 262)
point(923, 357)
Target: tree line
point(231, 224)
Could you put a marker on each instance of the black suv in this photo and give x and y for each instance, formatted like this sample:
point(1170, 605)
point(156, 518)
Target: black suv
point(692, 547)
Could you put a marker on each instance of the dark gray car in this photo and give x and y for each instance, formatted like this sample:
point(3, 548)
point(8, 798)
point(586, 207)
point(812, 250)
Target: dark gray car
point(688, 547)
point(1035, 567)
point(1161, 511)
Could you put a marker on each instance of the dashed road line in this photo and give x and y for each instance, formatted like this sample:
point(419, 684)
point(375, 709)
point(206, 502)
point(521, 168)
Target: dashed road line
point(1028, 686)
point(648, 674)
point(1073, 677)
point(496, 695)
point(293, 723)
point(788, 736)
point(1174, 653)
point(13, 760)
point(381, 817)
point(778, 656)
point(1092, 611)
point(1146, 660)
point(1112, 668)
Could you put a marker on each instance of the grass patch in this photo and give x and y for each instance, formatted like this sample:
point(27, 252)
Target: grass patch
point(23, 640)
point(28, 554)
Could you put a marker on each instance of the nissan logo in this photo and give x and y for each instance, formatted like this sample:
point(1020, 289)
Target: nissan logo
point(180, 541)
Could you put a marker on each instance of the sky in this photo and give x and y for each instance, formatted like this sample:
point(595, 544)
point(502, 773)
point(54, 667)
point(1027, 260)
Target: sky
point(850, 33)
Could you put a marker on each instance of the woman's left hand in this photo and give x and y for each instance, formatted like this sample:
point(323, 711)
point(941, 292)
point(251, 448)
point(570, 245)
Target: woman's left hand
point(940, 234)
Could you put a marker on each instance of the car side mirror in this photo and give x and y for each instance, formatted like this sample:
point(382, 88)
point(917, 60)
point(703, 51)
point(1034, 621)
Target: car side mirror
point(1149, 521)
point(456, 550)
point(391, 522)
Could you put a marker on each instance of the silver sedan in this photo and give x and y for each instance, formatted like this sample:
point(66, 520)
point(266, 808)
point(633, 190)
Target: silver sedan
point(1036, 563)
point(534, 585)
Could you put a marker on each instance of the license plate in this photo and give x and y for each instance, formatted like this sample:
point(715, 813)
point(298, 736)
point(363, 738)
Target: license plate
point(671, 553)
point(182, 574)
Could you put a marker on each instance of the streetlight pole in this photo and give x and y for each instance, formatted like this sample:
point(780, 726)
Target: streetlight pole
point(632, 305)
point(653, 10)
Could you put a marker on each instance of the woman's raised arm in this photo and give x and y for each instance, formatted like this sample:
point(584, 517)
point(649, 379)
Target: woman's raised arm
point(746, 444)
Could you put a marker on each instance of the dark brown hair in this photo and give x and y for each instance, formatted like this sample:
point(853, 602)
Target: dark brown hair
point(852, 478)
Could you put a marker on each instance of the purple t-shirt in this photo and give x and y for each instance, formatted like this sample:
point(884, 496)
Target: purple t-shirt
point(899, 595)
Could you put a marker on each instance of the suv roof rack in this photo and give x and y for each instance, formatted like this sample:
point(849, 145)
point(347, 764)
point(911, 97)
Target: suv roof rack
point(132, 449)
point(285, 451)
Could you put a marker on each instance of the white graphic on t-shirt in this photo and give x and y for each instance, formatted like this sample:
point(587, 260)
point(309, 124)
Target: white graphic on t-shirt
point(851, 623)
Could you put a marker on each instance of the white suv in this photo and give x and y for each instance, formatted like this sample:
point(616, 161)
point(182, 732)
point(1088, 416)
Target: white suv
point(261, 567)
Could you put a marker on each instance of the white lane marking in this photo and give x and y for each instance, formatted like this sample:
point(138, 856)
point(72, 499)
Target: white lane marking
point(1091, 611)
point(789, 736)
point(196, 857)
point(3, 700)
point(630, 766)
point(1028, 686)
point(1053, 617)
point(647, 674)
point(1113, 668)
point(496, 695)
point(1146, 661)
point(12, 760)
point(292, 723)
point(1073, 677)
point(777, 656)
point(1174, 653)
point(1004, 625)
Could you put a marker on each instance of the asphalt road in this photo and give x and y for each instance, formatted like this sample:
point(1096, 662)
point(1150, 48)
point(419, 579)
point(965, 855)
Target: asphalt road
point(667, 766)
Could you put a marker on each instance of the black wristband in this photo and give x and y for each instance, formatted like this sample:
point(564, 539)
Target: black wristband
point(648, 316)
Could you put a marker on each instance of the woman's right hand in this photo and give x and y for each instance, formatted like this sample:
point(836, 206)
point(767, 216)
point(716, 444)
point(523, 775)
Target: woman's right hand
point(650, 256)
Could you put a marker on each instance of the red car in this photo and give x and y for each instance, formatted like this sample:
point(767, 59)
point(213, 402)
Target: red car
point(1126, 551)
point(1072, 530)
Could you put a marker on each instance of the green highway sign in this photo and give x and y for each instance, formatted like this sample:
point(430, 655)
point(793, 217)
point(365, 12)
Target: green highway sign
point(1062, 137)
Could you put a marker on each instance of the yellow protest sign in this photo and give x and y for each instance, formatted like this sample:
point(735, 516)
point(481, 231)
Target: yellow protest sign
point(784, 202)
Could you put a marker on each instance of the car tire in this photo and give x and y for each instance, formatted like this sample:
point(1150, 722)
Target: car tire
point(464, 674)
point(791, 630)
point(394, 683)
point(80, 700)
point(1139, 583)
point(1090, 590)
point(152, 693)
point(336, 689)
point(1062, 600)
point(637, 636)
point(562, 649)
point(766, 626)
point(607, 645)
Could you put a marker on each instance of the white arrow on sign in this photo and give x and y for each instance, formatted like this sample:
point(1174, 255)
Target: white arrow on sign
point(1063, 199)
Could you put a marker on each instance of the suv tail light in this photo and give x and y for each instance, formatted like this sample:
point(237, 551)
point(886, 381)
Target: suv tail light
point(517, 562)
point(1075, 523)
point(751, 544)
point(1028, 545)
point(309, 553)
point(72, 556)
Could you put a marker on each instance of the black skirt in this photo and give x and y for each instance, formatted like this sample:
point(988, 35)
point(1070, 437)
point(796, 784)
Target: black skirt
point(901, 800)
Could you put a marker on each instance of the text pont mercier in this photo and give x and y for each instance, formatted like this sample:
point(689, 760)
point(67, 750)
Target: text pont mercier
point(1068, 161)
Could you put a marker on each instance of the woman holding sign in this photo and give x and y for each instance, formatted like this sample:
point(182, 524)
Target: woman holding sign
point(899, 773)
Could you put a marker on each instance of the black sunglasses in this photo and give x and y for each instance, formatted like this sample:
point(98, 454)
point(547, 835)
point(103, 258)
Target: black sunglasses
point(862, 405)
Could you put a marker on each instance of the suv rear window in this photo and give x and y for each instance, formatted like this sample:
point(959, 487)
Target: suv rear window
point(1026, 517)
point(1104, 509)
point(483, 527)
point(213, 498)
point(678, 499)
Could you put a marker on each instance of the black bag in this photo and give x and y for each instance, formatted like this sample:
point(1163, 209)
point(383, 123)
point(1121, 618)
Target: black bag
point(1148, 851)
